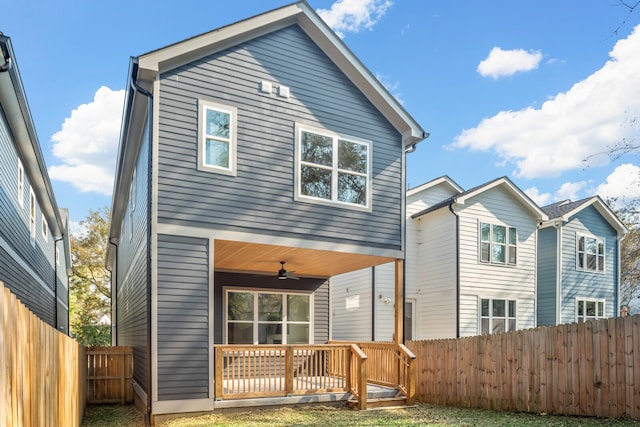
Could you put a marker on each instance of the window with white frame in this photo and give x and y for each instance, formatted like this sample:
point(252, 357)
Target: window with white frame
point(333, 168)
point(217, 137)
point(497, 315)
point(498, 244)
point(45, 228)
point(590, 253)
point(57, 256)
point(267, 317)
point(20, 183)
point(32, 214)
point(589, 309)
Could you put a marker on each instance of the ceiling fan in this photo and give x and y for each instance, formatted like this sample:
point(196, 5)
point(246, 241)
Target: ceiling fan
point(284, 275)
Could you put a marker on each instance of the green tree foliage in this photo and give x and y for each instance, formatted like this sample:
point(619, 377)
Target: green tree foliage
point(89, 287)
point(630, 255)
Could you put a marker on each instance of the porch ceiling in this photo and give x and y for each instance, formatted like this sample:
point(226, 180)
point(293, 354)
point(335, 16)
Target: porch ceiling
point(261, 258)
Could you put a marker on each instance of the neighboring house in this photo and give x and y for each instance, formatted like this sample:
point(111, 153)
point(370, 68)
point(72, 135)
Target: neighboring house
point(261, 142)
point(35, 258)
point(470, 263)
point(579, 262)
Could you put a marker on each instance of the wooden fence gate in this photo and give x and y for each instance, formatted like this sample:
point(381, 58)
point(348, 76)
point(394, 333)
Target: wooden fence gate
point(109, 375)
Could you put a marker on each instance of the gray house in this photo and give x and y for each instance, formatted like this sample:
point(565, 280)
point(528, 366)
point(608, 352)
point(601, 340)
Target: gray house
point(35, 258)
point(579, 262)
point(248, 153)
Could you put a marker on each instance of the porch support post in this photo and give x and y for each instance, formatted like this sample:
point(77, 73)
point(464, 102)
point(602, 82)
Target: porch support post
point(399, 302)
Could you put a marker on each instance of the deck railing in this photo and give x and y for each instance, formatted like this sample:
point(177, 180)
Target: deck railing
point(249, 371)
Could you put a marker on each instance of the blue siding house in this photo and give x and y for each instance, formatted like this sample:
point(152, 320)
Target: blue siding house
point(247, 153)
point(578, 262)
point(35, 260)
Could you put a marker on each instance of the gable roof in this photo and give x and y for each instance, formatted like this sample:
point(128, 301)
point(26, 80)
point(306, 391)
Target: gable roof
point(444, 179)
point(14, 106)
point(565, 209)
point(519, 195)
point(302, 14)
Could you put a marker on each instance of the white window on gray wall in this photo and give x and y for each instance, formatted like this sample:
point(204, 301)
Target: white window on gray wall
point(498, 244)
point(217, 139)
point(497, 315)
point(20, 183)
point(32, 213)
point(267, 317)
point(45, 229)
point(590, 253)
point(589, 309)
point(333, 168)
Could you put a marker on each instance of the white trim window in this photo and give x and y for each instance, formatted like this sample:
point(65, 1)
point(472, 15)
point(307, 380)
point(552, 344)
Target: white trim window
point(589, 309)
point(32, 214)
point(57, 256)
point(590, 253)
point(332, 169)
point(20, 184)
point(45, 229)
point(498, 244)
point(497, 315)
point(217, 138)
point(268, 317)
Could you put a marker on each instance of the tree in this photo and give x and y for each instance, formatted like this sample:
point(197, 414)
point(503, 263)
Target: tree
point(89, 287)
point(629, 254)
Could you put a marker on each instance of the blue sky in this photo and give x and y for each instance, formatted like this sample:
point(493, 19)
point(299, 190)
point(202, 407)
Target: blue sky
point(522, 89)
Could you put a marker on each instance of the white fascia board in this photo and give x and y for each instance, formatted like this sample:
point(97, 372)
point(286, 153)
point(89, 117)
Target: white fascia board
point(606, 213)
point(443, 179)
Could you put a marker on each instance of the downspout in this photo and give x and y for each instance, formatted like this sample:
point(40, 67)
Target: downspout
point(55, 281)
point(137, 88)
point(114, 296)
point(619, 276)
point(457, 237)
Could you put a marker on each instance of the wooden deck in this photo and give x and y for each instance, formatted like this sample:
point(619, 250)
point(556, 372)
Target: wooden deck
point(349, 370)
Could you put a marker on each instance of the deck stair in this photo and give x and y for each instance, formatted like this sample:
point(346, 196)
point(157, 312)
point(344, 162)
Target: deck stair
point(379, 397)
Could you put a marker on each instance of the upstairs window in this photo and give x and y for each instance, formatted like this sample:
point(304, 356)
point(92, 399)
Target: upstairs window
point(45, 228)
point(32, 214)
point(333, 168)
point(589, 309)
point(20, 184)
point(497, 315)
point(217, 138)
point(590, 254)
point(498, 244)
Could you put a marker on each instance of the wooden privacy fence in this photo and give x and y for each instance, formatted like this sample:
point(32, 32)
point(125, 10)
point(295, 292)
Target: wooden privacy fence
point(109, 375)
point(585, 369)
point(42, 371)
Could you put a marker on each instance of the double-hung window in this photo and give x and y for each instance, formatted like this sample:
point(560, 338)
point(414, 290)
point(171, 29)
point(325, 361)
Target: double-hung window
point(217, 128)
point(590, 253)
point(589, 309)
point(497, 315)
point(32, 214)
point(498, 244)
point(268, 317)
point(20, 184)
point(45, 229)
point(333, 168)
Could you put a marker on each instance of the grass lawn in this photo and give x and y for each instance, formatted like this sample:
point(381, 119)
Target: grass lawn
point(421, 415)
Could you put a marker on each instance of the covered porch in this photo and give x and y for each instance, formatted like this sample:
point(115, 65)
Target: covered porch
point(288, 368)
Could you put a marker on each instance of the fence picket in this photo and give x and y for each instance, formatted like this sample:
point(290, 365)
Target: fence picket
point(589, 369)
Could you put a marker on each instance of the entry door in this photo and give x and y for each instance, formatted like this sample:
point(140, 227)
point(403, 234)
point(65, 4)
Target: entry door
point(409, 319)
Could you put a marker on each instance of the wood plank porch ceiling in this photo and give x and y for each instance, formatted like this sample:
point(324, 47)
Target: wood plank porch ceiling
point(265, 259)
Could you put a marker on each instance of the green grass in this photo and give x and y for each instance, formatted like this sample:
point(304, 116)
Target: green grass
point(329, 416)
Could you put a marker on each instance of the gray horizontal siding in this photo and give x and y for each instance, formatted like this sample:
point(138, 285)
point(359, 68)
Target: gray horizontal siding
point(321, 314)
point(261, 196)
point(547, 271)
point(183, 318)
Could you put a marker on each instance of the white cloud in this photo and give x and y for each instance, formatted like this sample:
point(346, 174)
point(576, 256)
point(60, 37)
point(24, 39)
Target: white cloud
point(571, 126)
point(541, 199)
point(502, 63)
point(623, 183)
point(393, 88)
point(351, 16)
point(87, 143)
point(569, 190)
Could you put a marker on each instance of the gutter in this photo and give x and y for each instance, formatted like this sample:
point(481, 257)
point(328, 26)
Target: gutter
point(114, 297)
point(457, 237)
